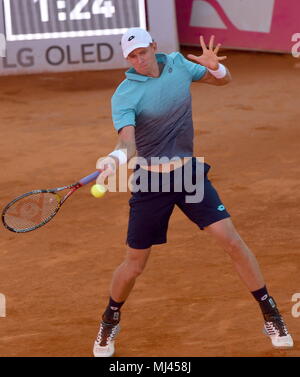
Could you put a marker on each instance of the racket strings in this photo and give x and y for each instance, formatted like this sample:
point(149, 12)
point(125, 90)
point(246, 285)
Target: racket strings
point(31, 211)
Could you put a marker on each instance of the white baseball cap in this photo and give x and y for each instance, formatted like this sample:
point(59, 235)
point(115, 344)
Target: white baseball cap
point(135, 38)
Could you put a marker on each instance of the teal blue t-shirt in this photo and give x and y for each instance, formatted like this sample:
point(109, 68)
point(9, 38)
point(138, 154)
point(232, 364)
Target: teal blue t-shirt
point(159, 108)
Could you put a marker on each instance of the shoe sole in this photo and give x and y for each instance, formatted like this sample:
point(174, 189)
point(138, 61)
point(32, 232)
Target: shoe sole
point(105, 355)
point(286, 347)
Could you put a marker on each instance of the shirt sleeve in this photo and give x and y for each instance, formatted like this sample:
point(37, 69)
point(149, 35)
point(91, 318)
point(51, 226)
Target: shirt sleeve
point(123, 114)
point(197, 71)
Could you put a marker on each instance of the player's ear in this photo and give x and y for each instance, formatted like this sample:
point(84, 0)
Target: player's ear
point(154, 45)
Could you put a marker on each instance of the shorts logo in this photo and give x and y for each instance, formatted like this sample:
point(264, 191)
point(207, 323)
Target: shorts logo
point(221, 207)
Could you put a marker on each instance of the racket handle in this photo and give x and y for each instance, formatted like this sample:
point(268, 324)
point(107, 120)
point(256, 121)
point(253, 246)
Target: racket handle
point(90, 178)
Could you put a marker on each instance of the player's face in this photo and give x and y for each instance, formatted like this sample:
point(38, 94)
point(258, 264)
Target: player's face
point(143, 59)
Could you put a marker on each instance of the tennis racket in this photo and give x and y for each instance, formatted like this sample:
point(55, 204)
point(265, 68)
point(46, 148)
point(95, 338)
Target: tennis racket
point(36, 208)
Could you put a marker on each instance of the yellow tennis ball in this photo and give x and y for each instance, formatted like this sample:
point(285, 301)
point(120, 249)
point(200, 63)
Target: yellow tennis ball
point(98, 191)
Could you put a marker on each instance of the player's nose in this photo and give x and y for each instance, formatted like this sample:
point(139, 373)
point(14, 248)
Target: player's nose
point(140, 59)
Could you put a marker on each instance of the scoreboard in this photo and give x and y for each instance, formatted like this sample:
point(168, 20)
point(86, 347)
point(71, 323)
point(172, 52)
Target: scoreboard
point(39, 36)
point(45, 19)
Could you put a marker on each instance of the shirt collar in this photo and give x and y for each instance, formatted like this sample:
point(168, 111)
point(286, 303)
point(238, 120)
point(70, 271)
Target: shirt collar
point(131, 74)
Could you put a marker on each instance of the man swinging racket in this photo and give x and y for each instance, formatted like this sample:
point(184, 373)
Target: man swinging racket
point(151, 110)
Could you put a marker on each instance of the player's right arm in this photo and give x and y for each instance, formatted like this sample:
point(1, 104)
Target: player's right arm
point(126, 140)
point(125, 146)
point(123, 106)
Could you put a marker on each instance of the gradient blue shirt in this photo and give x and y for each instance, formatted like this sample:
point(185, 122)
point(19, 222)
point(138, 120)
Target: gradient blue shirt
point(159, 108)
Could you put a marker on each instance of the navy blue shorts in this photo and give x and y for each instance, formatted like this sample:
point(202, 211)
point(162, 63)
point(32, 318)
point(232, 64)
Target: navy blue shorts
point(150, 211)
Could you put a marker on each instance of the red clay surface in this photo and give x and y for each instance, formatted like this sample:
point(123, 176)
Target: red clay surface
point(189, 301)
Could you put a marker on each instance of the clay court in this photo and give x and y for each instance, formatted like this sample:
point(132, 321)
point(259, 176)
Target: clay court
point(189, 301)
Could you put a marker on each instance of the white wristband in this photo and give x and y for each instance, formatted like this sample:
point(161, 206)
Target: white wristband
point(220, 72)
point(120, 155)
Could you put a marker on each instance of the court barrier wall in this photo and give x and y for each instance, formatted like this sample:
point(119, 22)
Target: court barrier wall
point(262, 25)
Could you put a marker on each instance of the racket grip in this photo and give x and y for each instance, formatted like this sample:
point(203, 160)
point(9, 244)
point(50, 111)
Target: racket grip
point(90, 178)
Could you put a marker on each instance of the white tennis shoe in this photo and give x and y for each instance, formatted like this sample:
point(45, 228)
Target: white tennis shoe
point(104, 345)
point(274, 326)
point(276, 329)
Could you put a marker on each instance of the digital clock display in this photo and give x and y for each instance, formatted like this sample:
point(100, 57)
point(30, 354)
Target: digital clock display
point(45, 19)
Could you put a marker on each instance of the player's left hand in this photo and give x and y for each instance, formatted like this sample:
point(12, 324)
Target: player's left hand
point(209, 58)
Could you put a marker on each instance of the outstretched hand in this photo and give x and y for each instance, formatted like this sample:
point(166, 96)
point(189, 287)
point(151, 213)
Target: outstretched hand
point(209, 58)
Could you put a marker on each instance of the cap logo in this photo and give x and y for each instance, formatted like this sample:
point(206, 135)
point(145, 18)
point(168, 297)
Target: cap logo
point(130, 38)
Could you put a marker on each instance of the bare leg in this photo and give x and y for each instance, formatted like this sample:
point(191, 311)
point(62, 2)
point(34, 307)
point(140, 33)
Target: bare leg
point(125, 275)
point(122, 283)
point(243, 259)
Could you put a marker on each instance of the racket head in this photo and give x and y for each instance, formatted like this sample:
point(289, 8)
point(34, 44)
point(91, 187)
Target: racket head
point(31, 210)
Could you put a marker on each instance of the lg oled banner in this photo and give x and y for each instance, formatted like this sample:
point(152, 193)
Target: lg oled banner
point(74, 35)
point(266, 25)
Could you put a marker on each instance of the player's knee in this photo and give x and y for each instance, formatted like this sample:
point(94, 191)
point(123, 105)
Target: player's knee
point(136, 262)
point(234, 246)
point(134, 267)
point(135, 270)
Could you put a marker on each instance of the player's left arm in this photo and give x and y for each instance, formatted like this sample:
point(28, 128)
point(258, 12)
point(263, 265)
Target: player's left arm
point(217, 73)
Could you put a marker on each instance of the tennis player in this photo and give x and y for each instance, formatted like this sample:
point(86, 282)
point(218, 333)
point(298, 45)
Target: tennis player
point(151, 110)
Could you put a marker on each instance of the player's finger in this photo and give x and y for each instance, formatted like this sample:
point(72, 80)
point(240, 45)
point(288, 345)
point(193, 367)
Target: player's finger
point(216, 50)
point(192, 57)
point(211, 42)
point(221, 57)
point(202, 43)
point(100, 181)
point(101, 178)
